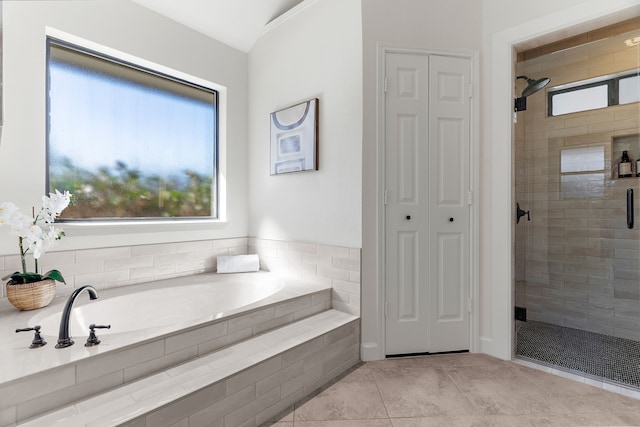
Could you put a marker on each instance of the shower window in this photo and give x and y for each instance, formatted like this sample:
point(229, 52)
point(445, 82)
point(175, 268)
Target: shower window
point(582, 99)
point(629, 90)
point(592, 94)
point(127, 141)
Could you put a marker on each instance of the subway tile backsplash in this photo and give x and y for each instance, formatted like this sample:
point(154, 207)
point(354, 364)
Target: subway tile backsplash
point(337, 267)
point(120, 266)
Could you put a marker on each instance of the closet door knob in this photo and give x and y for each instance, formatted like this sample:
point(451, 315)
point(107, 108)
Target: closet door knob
point(408, 217)
point(451, 219)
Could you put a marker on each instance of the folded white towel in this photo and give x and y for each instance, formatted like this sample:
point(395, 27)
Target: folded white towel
point(238, 263)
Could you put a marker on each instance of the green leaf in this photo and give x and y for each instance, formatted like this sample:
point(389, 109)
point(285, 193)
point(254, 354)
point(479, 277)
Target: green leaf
point(22, 278)
point(9, 275)
point(55, 275)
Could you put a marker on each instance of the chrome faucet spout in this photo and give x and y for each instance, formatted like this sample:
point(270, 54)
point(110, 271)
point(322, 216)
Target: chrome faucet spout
point(64, 340)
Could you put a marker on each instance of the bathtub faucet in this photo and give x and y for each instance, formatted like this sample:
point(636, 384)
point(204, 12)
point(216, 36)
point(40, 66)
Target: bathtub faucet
point(64, 340)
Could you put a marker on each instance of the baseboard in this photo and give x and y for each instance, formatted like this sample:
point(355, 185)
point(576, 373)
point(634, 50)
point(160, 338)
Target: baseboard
point(370, 351)
point(486, 346)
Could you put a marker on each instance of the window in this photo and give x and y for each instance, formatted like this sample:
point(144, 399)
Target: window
point(623, 88)
point(128, 142)
point(583, 99)
point(629, 89)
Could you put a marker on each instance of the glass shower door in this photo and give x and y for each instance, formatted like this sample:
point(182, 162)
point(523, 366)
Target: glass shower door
point(577, 261)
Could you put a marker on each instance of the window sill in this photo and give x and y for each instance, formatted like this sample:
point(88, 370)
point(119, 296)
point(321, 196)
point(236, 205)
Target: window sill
point(128, 227)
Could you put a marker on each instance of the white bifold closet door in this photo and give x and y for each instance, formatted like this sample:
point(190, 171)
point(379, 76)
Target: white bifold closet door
point(427, 140)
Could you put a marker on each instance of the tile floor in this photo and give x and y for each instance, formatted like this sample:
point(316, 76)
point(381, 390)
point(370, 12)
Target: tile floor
point(461, 390)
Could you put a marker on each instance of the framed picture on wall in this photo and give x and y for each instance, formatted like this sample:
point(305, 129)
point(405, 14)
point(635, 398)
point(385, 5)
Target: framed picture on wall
point(294, 138)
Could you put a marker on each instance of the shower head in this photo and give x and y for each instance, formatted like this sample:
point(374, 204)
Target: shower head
point(533, 85)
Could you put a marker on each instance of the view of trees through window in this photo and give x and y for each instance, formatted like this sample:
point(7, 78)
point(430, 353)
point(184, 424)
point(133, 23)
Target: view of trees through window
point(127, 142)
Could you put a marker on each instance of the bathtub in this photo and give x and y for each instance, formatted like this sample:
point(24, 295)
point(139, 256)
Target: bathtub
point(195, 300)
point(160, 312)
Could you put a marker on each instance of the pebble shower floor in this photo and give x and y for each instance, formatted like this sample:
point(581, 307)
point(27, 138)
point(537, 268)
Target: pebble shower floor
point(611, 358)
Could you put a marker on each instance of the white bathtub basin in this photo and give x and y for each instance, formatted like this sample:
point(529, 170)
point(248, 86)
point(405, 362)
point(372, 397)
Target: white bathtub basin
point(198, 299)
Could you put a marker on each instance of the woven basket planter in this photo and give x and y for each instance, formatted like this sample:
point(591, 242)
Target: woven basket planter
point(30, 296)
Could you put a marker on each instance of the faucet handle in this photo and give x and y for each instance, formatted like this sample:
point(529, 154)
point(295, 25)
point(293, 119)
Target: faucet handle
point(93, 338)
point(38, 341)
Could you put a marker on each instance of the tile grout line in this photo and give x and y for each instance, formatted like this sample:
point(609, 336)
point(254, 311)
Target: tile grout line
point(462, 392)
point(384, 403)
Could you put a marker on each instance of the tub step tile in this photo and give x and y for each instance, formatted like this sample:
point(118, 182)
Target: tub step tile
point(103, 411)
point(202, 386)
point(61, 417)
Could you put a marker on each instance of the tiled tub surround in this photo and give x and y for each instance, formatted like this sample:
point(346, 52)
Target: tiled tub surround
point(334, 266)
point(128, 265)
point(33, 381)
point(577, 263)
point(337, 267)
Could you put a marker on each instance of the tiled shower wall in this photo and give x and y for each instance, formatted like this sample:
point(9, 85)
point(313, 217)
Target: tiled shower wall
point(577, 264)
point(338, 267)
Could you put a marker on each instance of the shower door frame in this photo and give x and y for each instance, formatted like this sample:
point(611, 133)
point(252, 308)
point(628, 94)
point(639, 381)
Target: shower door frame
point(574, 20)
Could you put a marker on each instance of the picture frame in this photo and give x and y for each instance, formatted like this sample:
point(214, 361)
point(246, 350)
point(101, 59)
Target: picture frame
point(294, 138)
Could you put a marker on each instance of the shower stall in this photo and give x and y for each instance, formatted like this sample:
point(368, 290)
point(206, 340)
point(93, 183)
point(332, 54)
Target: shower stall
point(576, 221)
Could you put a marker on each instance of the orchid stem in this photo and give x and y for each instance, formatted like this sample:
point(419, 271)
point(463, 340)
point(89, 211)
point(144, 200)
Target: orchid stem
point(24, 263)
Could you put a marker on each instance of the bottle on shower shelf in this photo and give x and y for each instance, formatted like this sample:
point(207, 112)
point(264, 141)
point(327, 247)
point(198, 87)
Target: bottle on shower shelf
point(624, 167)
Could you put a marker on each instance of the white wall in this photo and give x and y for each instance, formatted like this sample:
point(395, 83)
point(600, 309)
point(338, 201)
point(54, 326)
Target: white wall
point(314, 52)
point(134, 30)
point(453, 25)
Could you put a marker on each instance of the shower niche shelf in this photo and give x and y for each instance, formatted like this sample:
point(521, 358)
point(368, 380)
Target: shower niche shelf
point(630, 144)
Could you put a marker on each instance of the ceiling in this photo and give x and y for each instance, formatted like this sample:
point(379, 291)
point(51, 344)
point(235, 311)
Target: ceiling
point(237, 23)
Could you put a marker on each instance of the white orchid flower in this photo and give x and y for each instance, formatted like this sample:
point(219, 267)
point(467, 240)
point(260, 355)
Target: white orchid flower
point(45, 215)
point(38, 249)
point(7, 210)
point(55, 204)
point(48, 240)
point(53, 234)
point(33, 234)
point(10, 215)
point(21, 224)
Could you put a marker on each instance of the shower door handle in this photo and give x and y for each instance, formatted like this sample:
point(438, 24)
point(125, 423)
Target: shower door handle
point(629, 207)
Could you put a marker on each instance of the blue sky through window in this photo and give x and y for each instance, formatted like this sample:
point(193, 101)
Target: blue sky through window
point(98, 120)
point(128, 142)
